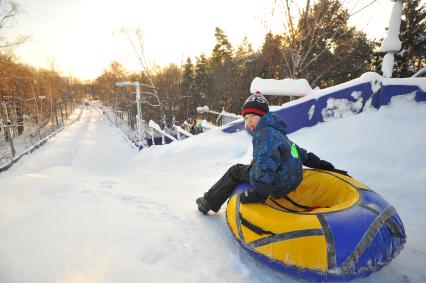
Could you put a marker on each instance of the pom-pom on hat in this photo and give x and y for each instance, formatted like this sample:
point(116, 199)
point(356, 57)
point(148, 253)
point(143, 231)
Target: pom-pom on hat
point(255, 104)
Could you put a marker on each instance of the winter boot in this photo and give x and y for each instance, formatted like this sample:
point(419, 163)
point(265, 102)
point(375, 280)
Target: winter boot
point(203, 205)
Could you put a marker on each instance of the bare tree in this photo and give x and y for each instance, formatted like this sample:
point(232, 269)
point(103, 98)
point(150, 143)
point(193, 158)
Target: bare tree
point(137, 42)
point(317, 39)
point(8, 11)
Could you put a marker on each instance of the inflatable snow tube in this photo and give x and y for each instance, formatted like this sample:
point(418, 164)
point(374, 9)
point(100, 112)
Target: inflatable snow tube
point(331, 228)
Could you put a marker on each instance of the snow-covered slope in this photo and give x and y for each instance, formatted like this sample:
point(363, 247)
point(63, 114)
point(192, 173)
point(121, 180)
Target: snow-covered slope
point(88, 207)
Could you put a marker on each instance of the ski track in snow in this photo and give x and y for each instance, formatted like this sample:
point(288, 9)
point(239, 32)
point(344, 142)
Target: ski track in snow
point(88, 207)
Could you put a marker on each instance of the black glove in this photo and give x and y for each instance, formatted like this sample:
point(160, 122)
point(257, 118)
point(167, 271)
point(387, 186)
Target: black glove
point(343, 172)
point(325, 165)
point(250, 196)
point(315, 162)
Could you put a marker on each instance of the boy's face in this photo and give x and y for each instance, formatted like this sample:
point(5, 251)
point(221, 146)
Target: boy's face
point(252, 120)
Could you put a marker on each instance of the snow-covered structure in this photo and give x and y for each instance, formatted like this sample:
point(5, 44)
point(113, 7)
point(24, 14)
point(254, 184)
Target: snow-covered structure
point(368, 91)
point(391, 43)
point(223, 116)
point(181, 133)
point(284, 87)
point(157, 130)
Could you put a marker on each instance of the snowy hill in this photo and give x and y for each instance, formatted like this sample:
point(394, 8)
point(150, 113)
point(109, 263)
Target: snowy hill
point(88, 207)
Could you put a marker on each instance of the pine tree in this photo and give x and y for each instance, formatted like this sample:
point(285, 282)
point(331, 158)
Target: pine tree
point(221, 72)
point(413, 37)
point(202, 79)
point(244, 72)
point(188, 76)
point(188, 87)
point(271, 58)
point(222, 52)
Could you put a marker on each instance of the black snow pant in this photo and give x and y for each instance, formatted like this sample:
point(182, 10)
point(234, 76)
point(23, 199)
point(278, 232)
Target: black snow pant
point(222, 190)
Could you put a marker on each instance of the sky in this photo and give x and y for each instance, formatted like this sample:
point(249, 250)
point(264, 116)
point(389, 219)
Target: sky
point(88, 207)
point(82, 37)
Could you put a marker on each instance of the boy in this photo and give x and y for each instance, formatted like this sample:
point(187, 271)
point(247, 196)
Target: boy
point(276, 169)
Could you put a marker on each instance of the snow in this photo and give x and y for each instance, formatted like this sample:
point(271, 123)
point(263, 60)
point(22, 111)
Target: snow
point(387, 65)
point(374, 79)
point(339, 108)
point(369, 77)
point(157, 128)
point(311, 112)
point(284, 87)
point(420, 82)
point(181, 131)
point(89, 207)
point(31, 139)
point(391, 42)
point(123, 125)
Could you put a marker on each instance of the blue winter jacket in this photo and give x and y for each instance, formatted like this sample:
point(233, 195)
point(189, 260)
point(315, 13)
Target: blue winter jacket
point(277, 162)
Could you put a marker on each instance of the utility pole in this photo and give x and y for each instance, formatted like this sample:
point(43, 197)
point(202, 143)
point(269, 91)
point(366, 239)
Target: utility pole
point(139, 125)
point(391, 43)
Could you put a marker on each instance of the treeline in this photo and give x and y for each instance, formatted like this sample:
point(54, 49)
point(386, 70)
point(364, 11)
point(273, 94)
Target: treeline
point(317, 44)
point(43, 96)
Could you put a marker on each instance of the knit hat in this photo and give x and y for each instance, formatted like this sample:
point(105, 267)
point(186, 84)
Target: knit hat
point(255, 104)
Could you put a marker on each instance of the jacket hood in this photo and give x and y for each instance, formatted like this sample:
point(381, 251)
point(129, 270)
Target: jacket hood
point(272, 120)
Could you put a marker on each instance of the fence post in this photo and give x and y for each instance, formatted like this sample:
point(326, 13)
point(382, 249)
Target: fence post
point(7, 128)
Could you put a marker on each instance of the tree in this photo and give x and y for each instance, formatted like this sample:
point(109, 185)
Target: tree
point(221, 65)
point(222, 52)
point(137, 42)
point(413, 37)
point(202, 81)
point(188, 76)
point(271, 57)
point(244, 72)
point(8, 11)
point(41, 96)
point(353, 56)
point(320, 42)
point(169, 81)
point(188, 87)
